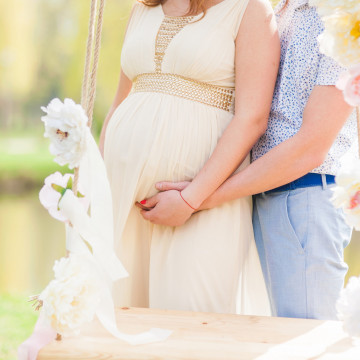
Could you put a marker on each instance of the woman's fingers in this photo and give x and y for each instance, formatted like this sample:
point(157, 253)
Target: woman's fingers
point(151, 202)
point(147, 204)
point(168, 185)
point(170, 210)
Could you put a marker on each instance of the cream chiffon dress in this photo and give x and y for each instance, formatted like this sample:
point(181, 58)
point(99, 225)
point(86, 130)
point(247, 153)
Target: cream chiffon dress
point(166, 129)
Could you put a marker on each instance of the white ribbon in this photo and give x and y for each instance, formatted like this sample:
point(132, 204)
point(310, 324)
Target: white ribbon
point(97, 230)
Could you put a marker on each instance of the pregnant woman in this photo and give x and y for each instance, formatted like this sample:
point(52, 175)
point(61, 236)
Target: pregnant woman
point(175, 116)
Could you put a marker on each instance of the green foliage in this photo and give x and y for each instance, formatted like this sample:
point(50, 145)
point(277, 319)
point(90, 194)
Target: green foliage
point(42, 53)
point(17, 321)
point(26, 156)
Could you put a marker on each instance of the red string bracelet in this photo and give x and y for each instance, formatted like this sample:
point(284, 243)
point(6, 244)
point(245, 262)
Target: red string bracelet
point(186, 201)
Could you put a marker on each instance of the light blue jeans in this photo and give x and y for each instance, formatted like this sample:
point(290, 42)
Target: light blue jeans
point(301, 238)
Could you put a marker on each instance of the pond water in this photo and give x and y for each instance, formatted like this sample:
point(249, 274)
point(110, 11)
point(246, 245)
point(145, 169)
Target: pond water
point(30, 242)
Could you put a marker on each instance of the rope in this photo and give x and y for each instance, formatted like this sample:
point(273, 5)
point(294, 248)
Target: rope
point(92, 90)
point(358, 126)
point(89, 80)
point(89, 47)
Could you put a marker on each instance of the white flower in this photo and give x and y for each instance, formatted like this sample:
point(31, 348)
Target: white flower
point(71, 299)
point(52, 191)
point(66, 127)
point(341, 38)
point(329, 7)
point(348, 307)
point(347, 192)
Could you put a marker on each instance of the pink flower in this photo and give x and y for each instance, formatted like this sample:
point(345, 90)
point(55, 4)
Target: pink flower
point(349, 83)
point(50, 197)
point(355, 201)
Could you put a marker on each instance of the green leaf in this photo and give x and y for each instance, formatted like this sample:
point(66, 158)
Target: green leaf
point(58, 188)
point(80, 195)
point(69, 183)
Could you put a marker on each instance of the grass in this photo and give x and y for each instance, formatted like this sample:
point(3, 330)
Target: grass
point(25, 160)
point(25, 156)
point(17, 320)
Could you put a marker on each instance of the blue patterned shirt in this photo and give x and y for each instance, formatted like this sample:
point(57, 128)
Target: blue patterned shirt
point(302, 67)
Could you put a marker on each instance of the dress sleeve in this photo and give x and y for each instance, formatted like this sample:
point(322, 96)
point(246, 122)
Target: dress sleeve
point(135, 14)
point(239, 11)
point(328, 72)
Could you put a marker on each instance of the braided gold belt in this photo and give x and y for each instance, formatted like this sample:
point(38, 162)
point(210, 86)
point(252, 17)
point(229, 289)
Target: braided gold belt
point(172, 84)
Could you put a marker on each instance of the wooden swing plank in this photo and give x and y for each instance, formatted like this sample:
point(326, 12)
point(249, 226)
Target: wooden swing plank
point(203, 336)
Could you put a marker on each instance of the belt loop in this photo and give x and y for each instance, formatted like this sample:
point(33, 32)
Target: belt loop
point(324, 182)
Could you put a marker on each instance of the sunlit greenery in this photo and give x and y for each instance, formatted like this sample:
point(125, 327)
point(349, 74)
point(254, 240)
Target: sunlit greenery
point(16, 323)
point(25, 161)
point(42, 50)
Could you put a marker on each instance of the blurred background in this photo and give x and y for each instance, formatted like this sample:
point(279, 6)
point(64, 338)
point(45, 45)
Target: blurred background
point(42, 50)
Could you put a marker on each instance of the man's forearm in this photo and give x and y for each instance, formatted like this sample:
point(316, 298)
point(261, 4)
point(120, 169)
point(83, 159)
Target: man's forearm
point(284, 163)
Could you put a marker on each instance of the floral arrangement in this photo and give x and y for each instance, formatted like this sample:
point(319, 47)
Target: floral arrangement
point(73, 297)
point(81, 288)
point(341, 41)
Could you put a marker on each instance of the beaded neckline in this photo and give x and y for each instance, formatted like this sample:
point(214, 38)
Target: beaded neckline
point(169, 28)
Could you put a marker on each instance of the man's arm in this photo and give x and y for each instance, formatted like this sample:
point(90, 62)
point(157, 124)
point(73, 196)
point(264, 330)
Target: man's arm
point(325, 114)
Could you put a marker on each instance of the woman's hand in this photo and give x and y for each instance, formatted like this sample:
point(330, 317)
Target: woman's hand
point(167, 208)
point(165, 187)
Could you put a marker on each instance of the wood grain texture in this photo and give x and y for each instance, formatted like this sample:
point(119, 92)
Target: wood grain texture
point(202, 336)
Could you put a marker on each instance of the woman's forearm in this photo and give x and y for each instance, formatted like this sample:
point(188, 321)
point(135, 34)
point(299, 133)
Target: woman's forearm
point(232, 148)
point(257, 54)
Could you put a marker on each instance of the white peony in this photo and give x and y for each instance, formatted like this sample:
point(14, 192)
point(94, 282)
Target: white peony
point(66, 127)
point(54, 188)
point(341, 38)
point(347, 192)
point(329, 7)
point(71, 299)
point(348, 307)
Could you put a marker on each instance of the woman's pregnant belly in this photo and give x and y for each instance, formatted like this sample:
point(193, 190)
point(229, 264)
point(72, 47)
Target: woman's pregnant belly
point(165, 135)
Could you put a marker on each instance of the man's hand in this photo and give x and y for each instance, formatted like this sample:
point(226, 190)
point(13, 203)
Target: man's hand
point(168, 185)
point(209, 203)
point(167, 208)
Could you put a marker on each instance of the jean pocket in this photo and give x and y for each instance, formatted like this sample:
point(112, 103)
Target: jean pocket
point(296, 219)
